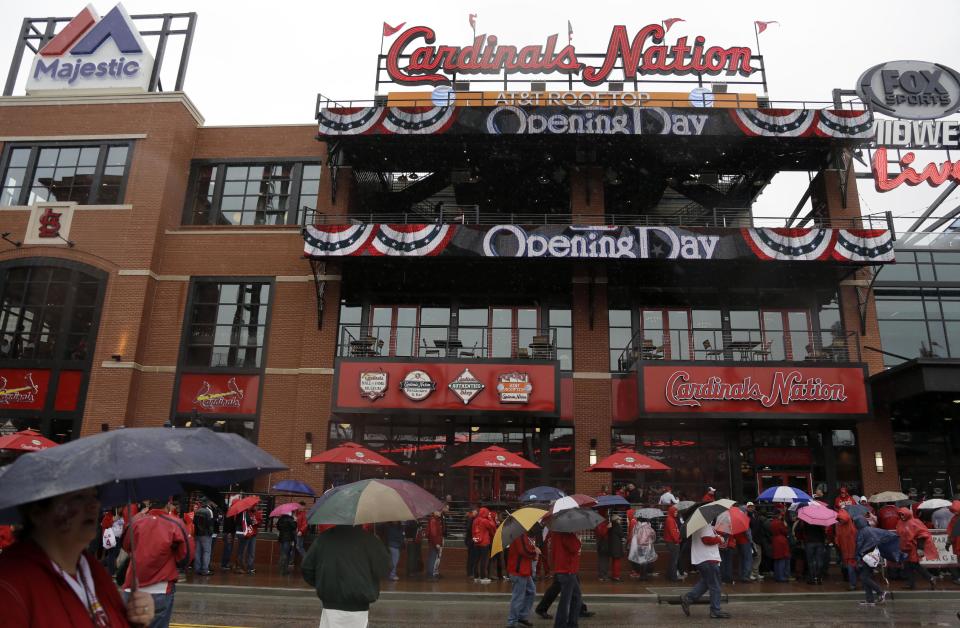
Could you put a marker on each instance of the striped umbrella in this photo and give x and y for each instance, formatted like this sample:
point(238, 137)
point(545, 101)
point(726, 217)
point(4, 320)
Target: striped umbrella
point(783, 495)
point(373, 501)
point(705, 515)
point(572, 501)
point(519, 522)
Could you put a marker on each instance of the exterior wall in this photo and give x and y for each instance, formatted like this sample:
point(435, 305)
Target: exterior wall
point(873, 435)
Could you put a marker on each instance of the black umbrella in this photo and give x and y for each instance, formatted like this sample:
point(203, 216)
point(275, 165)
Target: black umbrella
point(574, 520)
point(698, 517)
point(132, 463)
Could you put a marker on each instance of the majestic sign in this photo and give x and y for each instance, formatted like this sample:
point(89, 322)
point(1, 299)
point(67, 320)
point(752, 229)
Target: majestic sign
point(451, 387)
point(645, 54)
point(218, 394)
point(373, 384)
point(860, 246)
point(466, 386)
point(737, 390)
point(915, 90)
point(417, 385)
point(933, 174)
point(514, 387)
point(90, 53)
point(597, 119)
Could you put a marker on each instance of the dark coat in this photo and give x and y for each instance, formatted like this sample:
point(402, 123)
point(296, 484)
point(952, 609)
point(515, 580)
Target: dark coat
point(615, 541)
point(286, 529)
point(345, 565)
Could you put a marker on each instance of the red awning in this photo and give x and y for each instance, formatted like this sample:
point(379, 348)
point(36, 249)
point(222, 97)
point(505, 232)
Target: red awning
point(494, 457)
point(352, 453)
point(628, 460)
point(27, 440)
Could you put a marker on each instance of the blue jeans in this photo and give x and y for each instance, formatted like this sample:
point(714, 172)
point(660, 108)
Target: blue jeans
point(286, 555)
point(815, 554)
point(299, 547)
point(521, 599)
point(870, 586)
point(227, 550)
point(851, 574)
point(568, 609)
point(162, 607)
point(746, 560)
point(201, 562)
point(433, 561)
point(394, 560)
point(781, 570)
point(247, 552)
point(709, 581)
point(726, 564)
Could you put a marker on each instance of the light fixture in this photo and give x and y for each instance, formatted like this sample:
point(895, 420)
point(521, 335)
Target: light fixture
point(878, 461)
point(593, 451)
point(441, 474)
point(413, 473)
point(948, 418)
point(474, 428)
point(414, 176)
point(308, 447)
point(956, 401)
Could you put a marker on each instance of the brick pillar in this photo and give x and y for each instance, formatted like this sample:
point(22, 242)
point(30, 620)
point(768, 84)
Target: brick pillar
point(592, 396)
point(873, 434)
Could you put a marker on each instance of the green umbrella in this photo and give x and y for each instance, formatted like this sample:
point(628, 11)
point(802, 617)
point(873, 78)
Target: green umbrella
point(373, 501)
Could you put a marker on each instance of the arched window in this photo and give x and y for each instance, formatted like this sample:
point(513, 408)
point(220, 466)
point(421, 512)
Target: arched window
point(49, 314)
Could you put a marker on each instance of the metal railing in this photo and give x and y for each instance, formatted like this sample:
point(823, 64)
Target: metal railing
point(740, 345)
point(731, 218)
point(443, 342)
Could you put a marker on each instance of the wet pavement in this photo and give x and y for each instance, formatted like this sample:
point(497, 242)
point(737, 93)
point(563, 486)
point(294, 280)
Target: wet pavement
point(253, 610)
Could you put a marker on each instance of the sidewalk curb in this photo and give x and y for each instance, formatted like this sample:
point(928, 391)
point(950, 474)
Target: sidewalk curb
point(623, 598)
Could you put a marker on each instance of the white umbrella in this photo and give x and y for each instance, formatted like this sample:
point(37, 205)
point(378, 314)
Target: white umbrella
point(887, 496)
point(934, 504)
point(572, 501)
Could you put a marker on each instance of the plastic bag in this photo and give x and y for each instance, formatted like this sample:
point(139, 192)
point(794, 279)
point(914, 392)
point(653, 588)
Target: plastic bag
point(109, 539)
point(872, 559)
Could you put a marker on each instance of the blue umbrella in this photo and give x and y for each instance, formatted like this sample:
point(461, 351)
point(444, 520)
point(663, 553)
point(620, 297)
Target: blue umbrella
point(611, 500)
point(856, 510)
point(783, 495)
point(542, 494)
point(132, 464)
point(293, 486)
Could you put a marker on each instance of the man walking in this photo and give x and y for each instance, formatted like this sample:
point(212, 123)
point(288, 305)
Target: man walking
point(566, 566)
point(286, 536)
point(301, 517)
point(158, 542)
point(435, 541)
point(705, 556)
point(520, 556)
point(345, 566)
point(203, 530)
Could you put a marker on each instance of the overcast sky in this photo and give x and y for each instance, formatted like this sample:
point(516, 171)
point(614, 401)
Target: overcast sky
point(265, 62)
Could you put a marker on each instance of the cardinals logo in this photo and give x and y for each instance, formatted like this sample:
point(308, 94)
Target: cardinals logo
point(22, 394)
point(209, 399)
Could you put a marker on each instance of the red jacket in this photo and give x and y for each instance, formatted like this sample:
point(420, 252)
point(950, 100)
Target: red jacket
point(566, 552)
point(159, 541)
point(671, 529)
point(845, 537)
point(301, 517)
point(520, 556)
point(33, 595)
point(434, 531)
point(954, 540)
point(780, 546)
point(888, 518)
point(107, 521)
point(483, 528)
point(914, 535)
point(707, 497)
point(7, 537)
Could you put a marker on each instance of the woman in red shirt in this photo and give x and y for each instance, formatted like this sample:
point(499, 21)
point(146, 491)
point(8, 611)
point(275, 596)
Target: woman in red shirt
point(47, 579)
point(780, 550)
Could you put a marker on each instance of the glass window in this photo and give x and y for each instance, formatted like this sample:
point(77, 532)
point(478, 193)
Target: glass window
point(472, 330)
point(84, 174)
point(253, 194)
point(900, 309)
point(562, 326)
point(679, 337)
point(903, 338)
point(620, 333)
point(707, 332)
point(226, 326)
point(901, 271)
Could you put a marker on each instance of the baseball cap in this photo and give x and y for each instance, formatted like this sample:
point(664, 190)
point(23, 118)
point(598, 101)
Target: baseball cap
point(749, 503)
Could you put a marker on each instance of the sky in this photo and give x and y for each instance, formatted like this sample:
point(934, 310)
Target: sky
point(265, 62)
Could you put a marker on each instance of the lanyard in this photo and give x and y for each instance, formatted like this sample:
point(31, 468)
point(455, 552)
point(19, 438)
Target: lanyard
point(84, 589)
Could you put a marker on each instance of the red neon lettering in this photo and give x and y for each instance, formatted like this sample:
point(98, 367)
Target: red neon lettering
point(933, 174)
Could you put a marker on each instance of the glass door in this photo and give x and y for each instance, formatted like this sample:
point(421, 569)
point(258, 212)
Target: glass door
point(794, 479)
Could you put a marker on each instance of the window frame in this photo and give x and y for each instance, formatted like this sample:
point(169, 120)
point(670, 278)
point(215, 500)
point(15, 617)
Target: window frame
point(98, 173)
point(216, 202)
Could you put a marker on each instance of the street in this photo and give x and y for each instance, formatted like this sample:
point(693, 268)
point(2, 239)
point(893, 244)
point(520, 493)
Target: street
point(253, 611)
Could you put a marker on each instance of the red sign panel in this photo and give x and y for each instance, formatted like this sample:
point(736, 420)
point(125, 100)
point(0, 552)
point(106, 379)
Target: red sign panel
point(783, 455)
point(739, 390)
point(68, 391)
point(426, 386)
point(218, 394)
point(23, 389)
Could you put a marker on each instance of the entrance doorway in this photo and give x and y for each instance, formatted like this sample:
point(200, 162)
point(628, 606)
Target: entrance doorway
point(497, 485)
point(794, 479)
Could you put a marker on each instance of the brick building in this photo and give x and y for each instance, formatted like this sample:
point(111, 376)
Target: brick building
point(307, 286)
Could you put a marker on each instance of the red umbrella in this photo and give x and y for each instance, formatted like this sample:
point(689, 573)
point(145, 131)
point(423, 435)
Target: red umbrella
point(27, 440)
point(244, 503)
point(352, 453)
point(628, 460)
point(494, 457)
point(733, 521)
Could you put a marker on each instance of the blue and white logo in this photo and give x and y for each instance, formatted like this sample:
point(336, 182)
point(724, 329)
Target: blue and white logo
point(93, 54)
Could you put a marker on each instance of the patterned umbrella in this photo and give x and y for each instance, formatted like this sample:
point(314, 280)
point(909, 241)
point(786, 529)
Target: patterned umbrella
point(733, 521)
point(542, 494)
point(519, 522)
point(573, 520)
point(783, 495)
point(704, 515)
point(572, 501)
point(373, 501)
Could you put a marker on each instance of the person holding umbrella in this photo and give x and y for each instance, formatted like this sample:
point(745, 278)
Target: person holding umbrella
point(520, 556)
point(46, 577)
point(705, 556)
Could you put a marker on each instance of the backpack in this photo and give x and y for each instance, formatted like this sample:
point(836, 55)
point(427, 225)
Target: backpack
point(203, 522)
